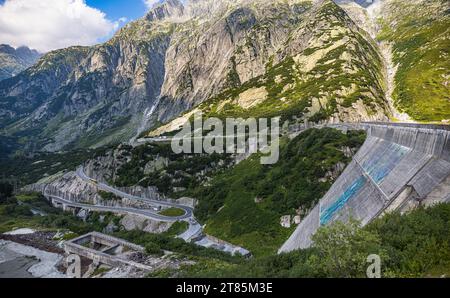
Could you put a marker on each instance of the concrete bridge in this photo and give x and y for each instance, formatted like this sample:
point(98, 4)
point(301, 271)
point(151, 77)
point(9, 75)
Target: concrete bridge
point(399, 166)
point(193, 234)
point(67, 205)
point(188, 211)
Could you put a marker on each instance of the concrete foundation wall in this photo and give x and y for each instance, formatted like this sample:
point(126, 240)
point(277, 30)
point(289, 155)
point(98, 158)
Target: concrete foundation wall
point(75, 246)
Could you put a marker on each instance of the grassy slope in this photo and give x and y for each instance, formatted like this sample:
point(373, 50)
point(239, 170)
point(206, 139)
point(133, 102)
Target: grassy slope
point(228, 206)
point(421, 43)
point(15, 213)
point(181, 170)
point(172, 212)
point(28, 170)
point(328, 78)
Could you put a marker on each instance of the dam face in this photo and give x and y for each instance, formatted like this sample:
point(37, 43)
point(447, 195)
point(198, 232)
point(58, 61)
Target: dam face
point(399, 166)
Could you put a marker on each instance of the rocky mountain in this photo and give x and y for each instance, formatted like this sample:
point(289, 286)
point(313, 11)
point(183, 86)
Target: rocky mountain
point(419, 33)
point(413, 39)
point(325, 68)
point(298, 59)
point(13, 61)
point(362, 3)
point(28, 100)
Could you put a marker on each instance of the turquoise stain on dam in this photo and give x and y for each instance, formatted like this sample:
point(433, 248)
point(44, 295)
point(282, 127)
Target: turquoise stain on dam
point(351, 191)
point(385, 162)
point(387, 157)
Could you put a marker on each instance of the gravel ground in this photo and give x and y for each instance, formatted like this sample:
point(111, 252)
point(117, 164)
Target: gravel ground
point(46, 267)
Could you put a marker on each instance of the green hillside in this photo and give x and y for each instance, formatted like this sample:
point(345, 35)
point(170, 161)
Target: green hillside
point(413, 245)
point(244, 205)
point(421, 44)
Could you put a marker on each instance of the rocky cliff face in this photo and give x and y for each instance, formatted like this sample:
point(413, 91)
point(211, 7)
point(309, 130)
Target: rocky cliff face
point(13, 61)
point(309, 61)
point(226, 51)
point(28, 100)
point(299, 59)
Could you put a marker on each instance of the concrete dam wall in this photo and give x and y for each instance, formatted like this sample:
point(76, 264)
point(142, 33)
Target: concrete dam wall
point(398, 167)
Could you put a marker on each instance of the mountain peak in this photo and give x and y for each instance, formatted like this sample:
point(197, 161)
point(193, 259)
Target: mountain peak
point(363, 3)
point(13, 61)
point(7, 49)
point(23, 51)
point(165, 10)
point(26, 53)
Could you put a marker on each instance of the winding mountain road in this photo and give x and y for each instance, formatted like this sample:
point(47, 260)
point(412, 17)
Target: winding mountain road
point(188, 211)
point(194, 233)
point(194, 230)
point(119, 210)
point(149, 213)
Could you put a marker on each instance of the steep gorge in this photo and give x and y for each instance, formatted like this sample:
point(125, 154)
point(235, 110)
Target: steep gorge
point(367, 17)
point(417, 33)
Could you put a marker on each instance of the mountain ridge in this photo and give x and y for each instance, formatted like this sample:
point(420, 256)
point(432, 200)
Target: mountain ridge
point(252, 57)
point(13, 61)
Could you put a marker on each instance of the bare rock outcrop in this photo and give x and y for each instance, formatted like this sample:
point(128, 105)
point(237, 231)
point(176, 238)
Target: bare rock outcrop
point(135, 222)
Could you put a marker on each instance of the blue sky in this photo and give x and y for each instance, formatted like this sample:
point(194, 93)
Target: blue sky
point(115, 9)
point(118, 9)
point(47, 25)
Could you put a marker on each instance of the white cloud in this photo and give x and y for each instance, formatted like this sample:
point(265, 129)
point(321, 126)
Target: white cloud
point(52, 24)
point(150, 3)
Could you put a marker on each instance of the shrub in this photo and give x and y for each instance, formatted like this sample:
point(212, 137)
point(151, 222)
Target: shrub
point(109, 196)
point(342, 250)
point(153, 249)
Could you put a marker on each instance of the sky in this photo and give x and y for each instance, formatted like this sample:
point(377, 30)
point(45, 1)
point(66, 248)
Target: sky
point(47, 25)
